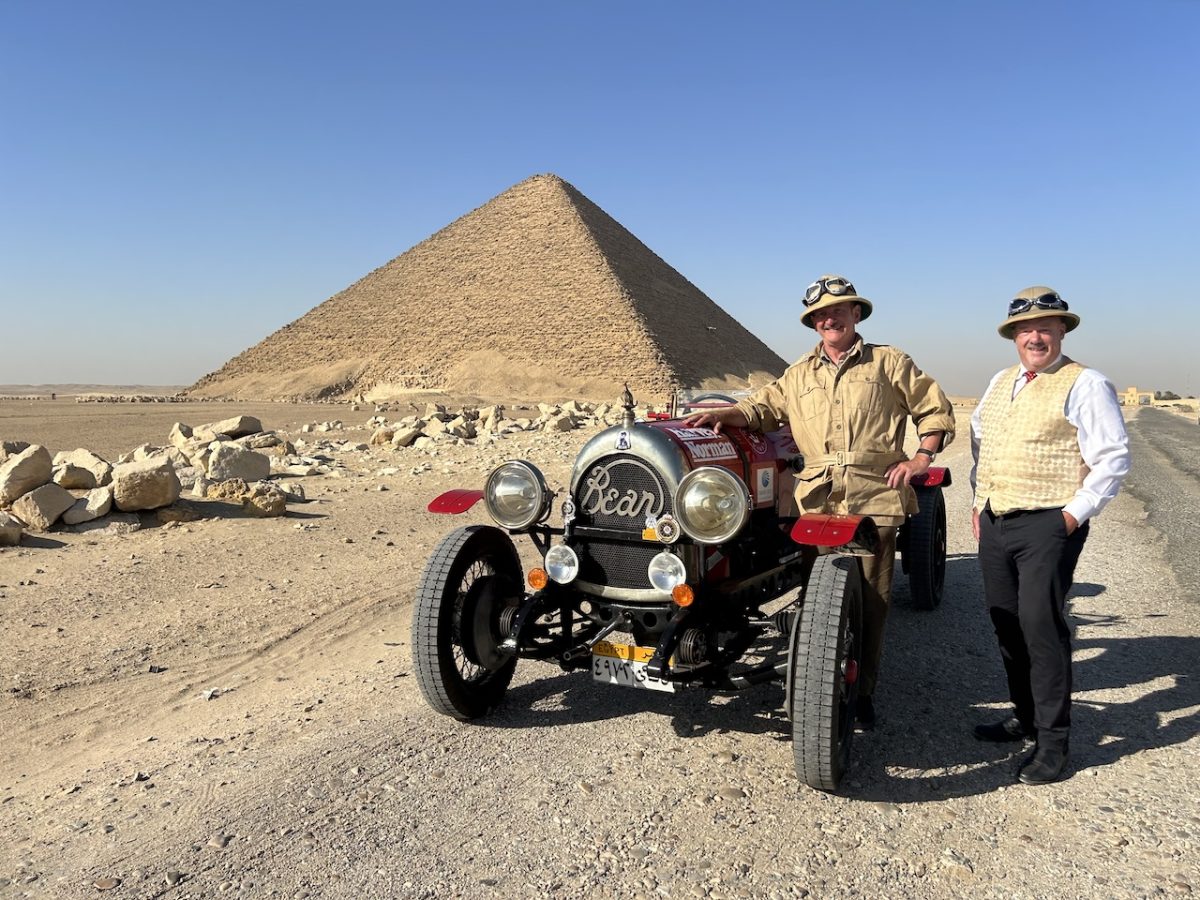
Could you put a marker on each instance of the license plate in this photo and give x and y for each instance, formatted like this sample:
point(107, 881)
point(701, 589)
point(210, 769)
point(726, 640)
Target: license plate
point(625, 664)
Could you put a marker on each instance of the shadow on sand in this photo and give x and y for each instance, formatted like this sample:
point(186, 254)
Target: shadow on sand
point(942, 675)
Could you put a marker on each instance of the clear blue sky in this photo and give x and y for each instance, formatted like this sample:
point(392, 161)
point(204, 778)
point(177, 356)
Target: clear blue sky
point(179, 180)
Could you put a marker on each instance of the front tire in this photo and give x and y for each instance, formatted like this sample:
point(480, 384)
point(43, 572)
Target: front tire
point(925, 549)
point(826, 646)
point(472, 576)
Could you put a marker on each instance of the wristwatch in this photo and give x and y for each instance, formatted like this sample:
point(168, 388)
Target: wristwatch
point(926, 452)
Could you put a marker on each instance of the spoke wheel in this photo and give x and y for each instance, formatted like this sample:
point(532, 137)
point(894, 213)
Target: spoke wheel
point(822, 684)
point(472, 576)
point(925, 549)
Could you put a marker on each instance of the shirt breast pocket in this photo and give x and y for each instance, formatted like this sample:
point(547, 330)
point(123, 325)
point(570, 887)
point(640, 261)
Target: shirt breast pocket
point(865, 395)
point(811, 403)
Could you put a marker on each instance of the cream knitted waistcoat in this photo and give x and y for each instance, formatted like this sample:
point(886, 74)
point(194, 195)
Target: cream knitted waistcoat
point(1029, 452)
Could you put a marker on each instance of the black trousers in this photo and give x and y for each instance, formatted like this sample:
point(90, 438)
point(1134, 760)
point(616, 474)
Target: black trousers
point(1028, 563)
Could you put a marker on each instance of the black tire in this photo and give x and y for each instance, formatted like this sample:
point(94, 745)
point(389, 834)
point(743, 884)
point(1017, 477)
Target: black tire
point(822, 685)
point(925, 549)
point(470, 578)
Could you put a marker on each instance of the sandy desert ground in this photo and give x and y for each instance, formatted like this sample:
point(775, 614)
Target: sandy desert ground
point(226, 707)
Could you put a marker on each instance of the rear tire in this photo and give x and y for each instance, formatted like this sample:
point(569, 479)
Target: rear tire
point(925, 549)
point(470, 578)
point(826, 646)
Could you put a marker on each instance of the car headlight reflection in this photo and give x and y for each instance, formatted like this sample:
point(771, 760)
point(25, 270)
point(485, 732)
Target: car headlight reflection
point(562, 564)
point(712, 504)
point(666, 571)
point(516, 495)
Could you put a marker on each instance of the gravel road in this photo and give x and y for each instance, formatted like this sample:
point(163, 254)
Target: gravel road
point(317, 770)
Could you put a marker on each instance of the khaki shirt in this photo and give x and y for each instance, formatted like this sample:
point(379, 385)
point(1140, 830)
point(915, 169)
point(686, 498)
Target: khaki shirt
point(849, 422)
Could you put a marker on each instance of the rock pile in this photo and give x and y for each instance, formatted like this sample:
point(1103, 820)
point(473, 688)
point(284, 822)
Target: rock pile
point(235, 460)
point(438, 424)
point(230, 460)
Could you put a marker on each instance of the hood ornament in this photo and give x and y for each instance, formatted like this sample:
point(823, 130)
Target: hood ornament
point(627, 402)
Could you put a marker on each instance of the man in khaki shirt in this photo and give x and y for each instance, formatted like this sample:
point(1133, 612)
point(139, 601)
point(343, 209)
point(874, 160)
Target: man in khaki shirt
point(848, 403)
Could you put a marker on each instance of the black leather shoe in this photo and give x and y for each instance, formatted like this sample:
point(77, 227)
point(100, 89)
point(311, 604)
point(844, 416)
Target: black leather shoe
point(1045, 765)
point(1010, 729)
point(864, 712)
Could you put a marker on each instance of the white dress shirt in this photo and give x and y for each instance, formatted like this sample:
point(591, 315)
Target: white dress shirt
point(1092, 408)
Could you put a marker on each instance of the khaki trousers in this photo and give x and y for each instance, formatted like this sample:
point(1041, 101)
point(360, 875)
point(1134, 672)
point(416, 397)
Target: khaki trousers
point(877, 597)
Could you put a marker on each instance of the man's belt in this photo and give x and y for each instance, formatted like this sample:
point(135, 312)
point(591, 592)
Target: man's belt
point(865, 458)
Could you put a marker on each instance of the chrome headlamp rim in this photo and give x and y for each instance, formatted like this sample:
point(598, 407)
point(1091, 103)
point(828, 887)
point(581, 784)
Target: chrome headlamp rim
point(543, 497)
point(737, 488)
point(564, 567)
point(669, 568)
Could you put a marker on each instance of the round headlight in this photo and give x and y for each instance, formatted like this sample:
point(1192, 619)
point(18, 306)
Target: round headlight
point(666, 571)
point(712, 504)
point(562, 565)
point(516, 495)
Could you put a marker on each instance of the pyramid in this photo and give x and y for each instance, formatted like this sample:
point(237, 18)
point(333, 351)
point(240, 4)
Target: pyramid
point(537, 294)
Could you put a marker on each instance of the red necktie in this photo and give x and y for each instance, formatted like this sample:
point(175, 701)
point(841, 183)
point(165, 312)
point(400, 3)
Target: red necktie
point(1029, 376)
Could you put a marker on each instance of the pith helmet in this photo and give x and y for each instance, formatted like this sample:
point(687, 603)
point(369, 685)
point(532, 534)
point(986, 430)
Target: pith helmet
point(1036, 302)
point(827, 291)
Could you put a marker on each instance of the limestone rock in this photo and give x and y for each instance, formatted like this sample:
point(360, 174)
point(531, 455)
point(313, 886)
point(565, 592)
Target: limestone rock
point(81, 469)
point(234, 461)
point(42, 507)
point(23, 471)
point(461, 427)
point(232, 489)
point(11, 448)
point(236, 427)
point(94, 504)
point(266, 499)
point(145, 484)
point(405, 436)
point(10, 530)
point(180, 435)
point(382, 435)
point(562, 422)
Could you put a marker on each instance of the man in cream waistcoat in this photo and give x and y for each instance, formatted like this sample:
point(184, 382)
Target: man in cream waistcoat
point(1050, 452)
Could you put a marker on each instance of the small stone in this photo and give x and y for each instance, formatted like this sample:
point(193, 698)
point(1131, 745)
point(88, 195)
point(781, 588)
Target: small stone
point(219, 841)
point(731, 793)
point(174, 876)
point(586, 787)
point(105, 884)
point(725, 757)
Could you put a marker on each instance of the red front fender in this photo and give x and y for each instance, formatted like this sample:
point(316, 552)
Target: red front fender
point(454, 502)
point(855, 535)
point(935, 476)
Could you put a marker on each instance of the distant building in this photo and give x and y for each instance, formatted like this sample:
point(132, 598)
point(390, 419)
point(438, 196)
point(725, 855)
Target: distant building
point(1133, 397)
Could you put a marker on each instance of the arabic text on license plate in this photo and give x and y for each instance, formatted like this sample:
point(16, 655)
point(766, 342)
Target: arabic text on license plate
point(626, 664)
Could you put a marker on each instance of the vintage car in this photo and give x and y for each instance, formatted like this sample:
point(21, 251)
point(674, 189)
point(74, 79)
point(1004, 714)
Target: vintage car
point(676, 565)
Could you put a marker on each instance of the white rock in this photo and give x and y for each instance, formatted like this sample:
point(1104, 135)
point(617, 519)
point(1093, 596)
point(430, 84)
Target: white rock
point(82, 459)
point(382, 435)
point(96, 503)
point(23, 471)
point(265, 500)
point(10, 530)
point(235, 427)
point(145, 484)
point(42, 507)
point(233, 461)
point(405, 436)
point(180, 435)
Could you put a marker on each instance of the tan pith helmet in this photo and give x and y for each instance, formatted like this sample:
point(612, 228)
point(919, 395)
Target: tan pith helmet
point(1039, 301)
point(829, 290)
